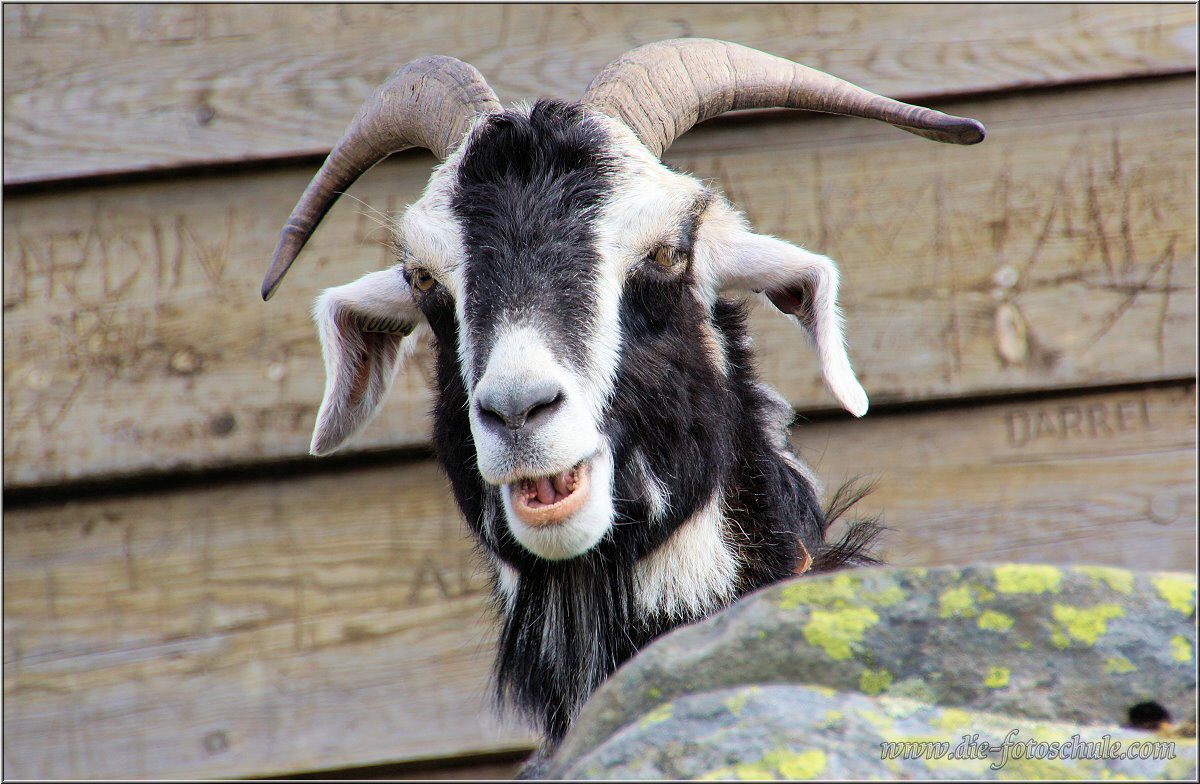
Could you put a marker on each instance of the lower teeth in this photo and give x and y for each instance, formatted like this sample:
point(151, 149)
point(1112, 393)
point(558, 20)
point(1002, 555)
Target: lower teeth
point(528, 488)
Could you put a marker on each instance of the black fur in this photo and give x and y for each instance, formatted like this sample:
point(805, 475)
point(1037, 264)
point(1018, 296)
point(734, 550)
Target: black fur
point(852, 549)
point(525, 195)
point(528, 188)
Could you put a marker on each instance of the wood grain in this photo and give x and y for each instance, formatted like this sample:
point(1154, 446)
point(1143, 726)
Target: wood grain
point(1101, 478)
point(253, 629)
point(99, 89)
point(1057, 254)
point(337, 621)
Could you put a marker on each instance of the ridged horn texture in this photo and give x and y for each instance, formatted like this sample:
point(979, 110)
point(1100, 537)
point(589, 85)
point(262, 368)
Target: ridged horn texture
point(428, 103)
point(661, 90)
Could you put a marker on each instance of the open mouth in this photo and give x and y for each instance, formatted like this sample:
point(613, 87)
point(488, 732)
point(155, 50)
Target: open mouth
point(549, 500)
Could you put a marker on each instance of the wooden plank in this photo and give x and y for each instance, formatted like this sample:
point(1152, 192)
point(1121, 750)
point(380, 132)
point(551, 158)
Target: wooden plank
point(335, 621)
point(273, 627)
point(1044, 258)
point(95, 89)
point(1101, 478)
point(1058, 254)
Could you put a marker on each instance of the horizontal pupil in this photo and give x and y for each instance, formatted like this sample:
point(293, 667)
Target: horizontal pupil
point(422, 279)
point(666, 257)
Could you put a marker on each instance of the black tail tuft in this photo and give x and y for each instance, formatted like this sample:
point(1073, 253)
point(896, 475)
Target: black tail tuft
point(853, 548)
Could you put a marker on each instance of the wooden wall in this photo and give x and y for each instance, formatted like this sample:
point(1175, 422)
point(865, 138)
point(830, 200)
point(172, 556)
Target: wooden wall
point(187, 594)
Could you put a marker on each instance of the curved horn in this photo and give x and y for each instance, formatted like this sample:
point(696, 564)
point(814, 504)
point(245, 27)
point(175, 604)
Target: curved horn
point(428, 103)
point(661, 90)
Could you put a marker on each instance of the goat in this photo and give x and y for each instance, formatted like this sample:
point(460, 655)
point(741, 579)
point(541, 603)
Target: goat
point(597, 410)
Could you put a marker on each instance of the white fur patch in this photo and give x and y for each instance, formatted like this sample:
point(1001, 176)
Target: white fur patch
point(658, 498)
point(508, 580)
point(431, 235)
point(604, 343)
point(693, 572)
point(714, 344)
point(649, 202)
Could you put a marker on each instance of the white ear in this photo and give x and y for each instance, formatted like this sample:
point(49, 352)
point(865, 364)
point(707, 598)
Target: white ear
point(803, 285)
point(364, 328)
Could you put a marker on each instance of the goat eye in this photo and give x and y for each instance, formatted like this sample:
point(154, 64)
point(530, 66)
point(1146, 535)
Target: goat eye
point(667, 258)
point(421, 278)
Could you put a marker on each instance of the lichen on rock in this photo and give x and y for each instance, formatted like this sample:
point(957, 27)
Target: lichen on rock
point(806, 679)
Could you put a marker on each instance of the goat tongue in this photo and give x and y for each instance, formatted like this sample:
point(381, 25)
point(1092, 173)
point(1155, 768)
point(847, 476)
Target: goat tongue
point(545, 490)
point(549, 500)
point(560, 482)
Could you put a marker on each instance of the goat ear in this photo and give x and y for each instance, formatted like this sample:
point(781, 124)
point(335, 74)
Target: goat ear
point(804, 286)
point(364, 328)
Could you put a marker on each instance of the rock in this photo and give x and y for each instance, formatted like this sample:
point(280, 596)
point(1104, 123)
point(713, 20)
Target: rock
point(793, 731)
point(807, 678)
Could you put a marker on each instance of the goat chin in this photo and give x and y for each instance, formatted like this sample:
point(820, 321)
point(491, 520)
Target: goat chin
point(578, 533)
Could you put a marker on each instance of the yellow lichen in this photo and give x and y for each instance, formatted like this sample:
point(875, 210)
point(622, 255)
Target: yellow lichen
point(1119, 580)
point(1118, 665)
point(1181, 649)
point(736, 703)
point(835, 592)
point(952, 720)
point(1086, 624)
point(656, 716)
point(886, 596)
point(1024, 645)
point(832, 717)
point(1059, 639)
point(960, 600)
point(956, 601)
point(654, 692)
point(880, 721)
point(796, 766)
point(997, 678)
point(1177, 591)
point(835, 631)
point(994, 621)
point(874, 681)
point(1027, 578)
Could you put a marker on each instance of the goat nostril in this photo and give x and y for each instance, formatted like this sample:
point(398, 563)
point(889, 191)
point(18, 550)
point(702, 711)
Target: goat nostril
point(491, 417)
point(544, 406)
point(514, 407)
